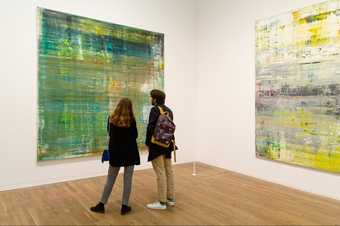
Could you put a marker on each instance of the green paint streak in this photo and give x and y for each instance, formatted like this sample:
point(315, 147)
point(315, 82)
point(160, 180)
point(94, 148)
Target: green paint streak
point(85, 67)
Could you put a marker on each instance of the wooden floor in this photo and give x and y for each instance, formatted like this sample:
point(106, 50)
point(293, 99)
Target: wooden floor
point(213, 197)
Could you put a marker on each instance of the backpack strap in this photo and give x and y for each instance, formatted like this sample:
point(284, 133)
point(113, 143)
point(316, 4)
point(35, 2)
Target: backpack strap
point(162, 111)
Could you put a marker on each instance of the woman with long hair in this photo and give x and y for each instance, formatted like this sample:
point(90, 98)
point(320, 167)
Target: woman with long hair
point(123, 151)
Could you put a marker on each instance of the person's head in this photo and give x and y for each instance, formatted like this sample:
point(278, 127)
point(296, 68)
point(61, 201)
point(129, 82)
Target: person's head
point(123, 114)
point(157, 97)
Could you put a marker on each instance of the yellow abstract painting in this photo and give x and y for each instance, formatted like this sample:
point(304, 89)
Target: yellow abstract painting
point(298, 87)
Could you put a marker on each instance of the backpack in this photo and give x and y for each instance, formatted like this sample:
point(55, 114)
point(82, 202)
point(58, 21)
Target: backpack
point(164, 130)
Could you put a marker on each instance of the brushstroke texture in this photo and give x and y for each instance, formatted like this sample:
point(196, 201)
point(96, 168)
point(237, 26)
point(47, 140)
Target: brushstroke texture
point(298, 87)
point(85, 67)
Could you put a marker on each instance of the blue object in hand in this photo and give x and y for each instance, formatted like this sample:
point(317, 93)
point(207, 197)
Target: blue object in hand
point(105, 155)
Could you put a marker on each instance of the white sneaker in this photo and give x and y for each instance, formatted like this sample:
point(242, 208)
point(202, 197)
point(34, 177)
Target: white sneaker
point(170, 202)
point(156, 206)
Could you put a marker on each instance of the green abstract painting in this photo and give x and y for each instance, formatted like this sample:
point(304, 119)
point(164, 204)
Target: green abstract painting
point(84, 67)
point(298, 87)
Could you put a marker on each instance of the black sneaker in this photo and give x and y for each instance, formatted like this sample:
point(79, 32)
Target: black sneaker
point(125, 209)
point(99, 208)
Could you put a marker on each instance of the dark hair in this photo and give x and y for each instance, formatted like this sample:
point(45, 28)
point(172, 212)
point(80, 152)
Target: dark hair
point(158, 95)
point(123, 115)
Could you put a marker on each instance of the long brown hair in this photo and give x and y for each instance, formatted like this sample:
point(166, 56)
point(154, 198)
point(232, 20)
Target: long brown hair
point(123, 114)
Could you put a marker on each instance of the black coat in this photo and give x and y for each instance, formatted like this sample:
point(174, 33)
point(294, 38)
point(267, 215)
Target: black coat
point(123, 146)
point(154, 149)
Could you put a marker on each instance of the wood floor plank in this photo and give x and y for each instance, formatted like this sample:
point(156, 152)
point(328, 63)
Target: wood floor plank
point(214, 197)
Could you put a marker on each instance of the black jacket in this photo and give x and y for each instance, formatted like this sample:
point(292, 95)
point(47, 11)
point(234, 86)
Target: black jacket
point(123, 146)
point(156, 150)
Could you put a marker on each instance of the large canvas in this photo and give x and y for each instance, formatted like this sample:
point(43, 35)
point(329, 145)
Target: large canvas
point(85, 67)
point(298, 87)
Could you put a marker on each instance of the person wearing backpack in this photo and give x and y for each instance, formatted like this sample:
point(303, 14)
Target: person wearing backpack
point(123, 151)
point(160, 140)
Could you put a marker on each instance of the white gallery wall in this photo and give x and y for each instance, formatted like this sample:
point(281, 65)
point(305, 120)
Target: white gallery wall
point(209, 79)
point(18, 80)
point(226, 97)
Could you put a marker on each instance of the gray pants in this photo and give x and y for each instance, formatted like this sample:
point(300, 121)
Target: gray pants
point(111, 178)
